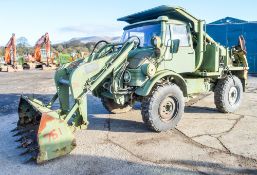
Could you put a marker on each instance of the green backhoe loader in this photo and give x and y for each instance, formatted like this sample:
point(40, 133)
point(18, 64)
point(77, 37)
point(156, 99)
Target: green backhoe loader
point(164, 57)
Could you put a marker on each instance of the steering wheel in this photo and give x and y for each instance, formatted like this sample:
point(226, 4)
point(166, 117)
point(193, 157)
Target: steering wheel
point(130, 38)
point(103, 51)
point(241, 43)
point(99, 42)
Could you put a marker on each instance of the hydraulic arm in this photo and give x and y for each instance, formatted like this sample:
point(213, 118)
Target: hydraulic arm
point(49, 134)
point(44, 40)
point(10, 51)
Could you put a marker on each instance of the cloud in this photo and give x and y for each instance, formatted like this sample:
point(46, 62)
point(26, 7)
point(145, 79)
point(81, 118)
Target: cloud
point(93, 30)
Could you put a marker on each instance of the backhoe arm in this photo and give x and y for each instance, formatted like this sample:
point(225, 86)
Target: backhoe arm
point(86, 77)
point(51, 131)
point(43, 40)
point(11, 45)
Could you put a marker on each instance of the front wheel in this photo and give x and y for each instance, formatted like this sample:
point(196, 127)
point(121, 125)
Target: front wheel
point(228, 94)
point(162, 110)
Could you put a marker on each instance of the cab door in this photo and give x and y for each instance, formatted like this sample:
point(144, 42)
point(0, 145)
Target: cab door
point(181, 55)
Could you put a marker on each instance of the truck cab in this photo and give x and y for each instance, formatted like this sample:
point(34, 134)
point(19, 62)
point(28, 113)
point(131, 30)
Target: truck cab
point(176, 39)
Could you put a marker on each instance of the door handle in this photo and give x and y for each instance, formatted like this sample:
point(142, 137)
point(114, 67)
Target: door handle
point(191, 52)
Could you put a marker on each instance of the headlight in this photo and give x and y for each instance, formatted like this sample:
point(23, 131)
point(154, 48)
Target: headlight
point(148, 69)
point(156, 42)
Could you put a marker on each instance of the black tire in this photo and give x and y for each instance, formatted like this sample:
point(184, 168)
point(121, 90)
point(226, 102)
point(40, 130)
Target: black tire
point(39, 66)
point(228, 94)
point(162, 110)
point(111, 106)
point(26, 66)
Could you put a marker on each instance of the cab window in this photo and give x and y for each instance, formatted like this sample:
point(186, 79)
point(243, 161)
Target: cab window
point(145, 33)
point(167, 36)
point(181, 32)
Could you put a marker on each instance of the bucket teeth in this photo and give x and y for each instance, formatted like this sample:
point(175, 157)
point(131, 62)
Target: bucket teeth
point(21, 132)
point(17, 134)
point(25, 135)
point(18, 128)
point(15, 129)
point(19, 140)
point(22, 138)
point(29, 150)
point(31, 159)
point(27, 142)
point(25, 152)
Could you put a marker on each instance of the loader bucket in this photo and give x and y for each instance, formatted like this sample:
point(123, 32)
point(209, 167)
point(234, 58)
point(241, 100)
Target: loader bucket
point(42, 131)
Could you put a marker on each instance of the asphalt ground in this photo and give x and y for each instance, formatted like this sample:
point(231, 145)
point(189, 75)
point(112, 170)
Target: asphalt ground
point(204, 142)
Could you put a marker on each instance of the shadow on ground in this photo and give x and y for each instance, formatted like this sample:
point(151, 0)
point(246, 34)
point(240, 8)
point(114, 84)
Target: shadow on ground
point(104, 165)
point(9, 103)
point(116, 125)
point(198, 109)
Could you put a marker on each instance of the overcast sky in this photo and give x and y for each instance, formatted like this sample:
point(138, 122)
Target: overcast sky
point(65, 19)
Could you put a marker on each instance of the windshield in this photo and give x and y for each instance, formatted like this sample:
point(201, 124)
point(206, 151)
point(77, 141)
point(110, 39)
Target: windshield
point(144, 33)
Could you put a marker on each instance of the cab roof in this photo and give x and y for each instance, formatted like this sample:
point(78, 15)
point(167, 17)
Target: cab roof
point(177, 13)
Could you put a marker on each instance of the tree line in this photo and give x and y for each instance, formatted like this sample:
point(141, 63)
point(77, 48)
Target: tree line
point(23, 48)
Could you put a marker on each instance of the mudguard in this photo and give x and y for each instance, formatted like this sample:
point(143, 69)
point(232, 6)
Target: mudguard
point(147, 87)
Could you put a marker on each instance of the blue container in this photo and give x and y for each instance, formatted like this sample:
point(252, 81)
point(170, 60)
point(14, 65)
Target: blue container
point(226, 31)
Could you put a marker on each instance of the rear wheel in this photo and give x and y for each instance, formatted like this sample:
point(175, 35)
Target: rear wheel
point(228, 94)
point(111, 106)
point(162, 110)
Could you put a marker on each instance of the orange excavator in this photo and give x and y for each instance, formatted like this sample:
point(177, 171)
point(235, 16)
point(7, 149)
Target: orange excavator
point(10, 51)
point(9, 56)
point(44, 40)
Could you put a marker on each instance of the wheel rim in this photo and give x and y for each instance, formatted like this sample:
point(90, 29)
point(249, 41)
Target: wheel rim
point(233, 95)
point(168, 108)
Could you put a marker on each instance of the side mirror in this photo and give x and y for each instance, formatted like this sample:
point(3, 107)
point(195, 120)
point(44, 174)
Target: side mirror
point(175, 46)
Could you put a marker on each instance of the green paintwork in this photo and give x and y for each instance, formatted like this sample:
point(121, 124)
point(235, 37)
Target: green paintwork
point(126, 72)
point(197, 85)
point(211, 65)
point(145, 90)
point(56, 139)
point(52, 137)
point(138, 78)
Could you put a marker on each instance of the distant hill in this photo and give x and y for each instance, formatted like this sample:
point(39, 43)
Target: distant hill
point(93, 39)
point(81, 44)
